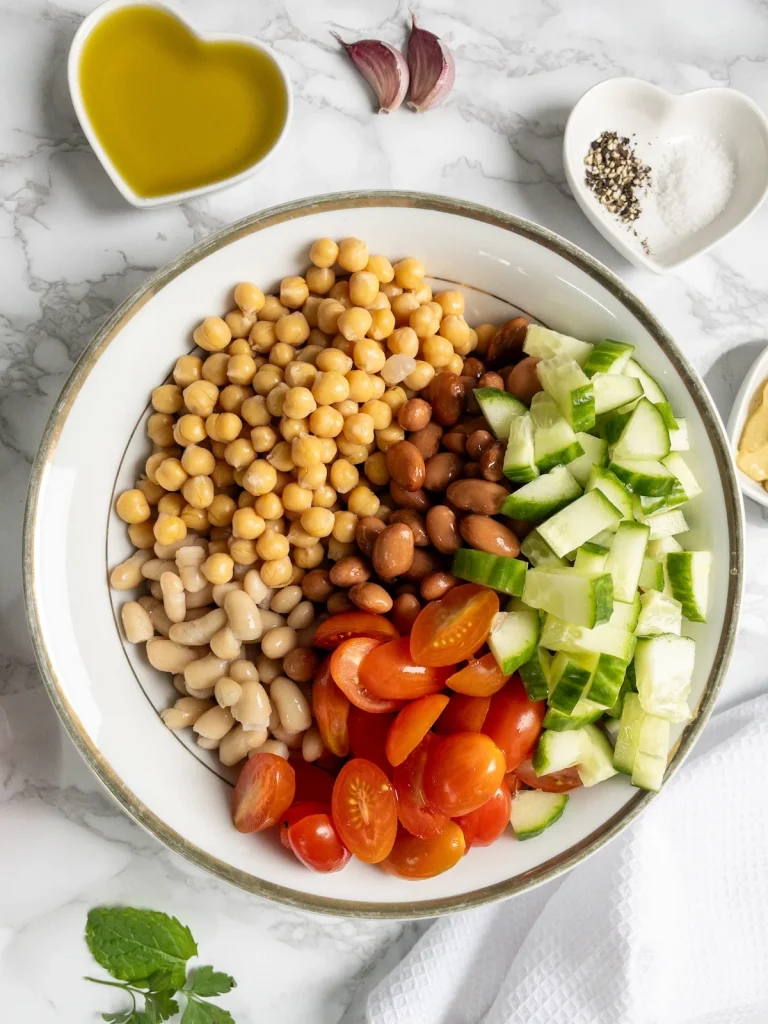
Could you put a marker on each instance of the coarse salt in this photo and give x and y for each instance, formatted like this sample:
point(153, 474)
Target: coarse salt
point(693, 183)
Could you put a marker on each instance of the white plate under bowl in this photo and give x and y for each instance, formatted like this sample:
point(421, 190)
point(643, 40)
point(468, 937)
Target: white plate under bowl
point(654, 119)
point(94, 445)
point(751, 386)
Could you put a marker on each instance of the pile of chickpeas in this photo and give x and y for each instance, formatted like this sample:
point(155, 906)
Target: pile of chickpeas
point(268, 448)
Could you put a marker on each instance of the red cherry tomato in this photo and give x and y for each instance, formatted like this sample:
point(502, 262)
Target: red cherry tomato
point(346, 625)
point(480, 678)
point(484, 826)
point(312, 782)
point(316, 843)
point(364, 810)
point(514, 722)
point(463, 714)
point(331, 710)
point(263, 792)
point(368, 736)
point(462, 772)
point(412, 725)
point(345, 669)
point(412, 810)
point(555, 782)
point(296, 812)
point(453, 628)
point(390, 672)
point(416, 858)
point(512, 782)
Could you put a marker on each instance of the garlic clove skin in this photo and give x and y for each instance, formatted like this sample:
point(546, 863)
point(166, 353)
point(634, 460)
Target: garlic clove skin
point(383, 67)
point(432, 68)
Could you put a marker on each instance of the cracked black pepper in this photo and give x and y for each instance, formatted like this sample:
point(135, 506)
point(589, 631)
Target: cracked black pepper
point(616, 175)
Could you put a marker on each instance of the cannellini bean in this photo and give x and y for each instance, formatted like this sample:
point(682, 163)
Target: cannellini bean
point(253, 708)
point(270, 620)
point(155, 567)
point(220, 591)
point(200, 598)
point(169, 550)
point(181, 686)
point(302, 615)
point(127, 575)
point(225, 644)
point(227, 692)
point(205, 694)
point(312, 745)
point(188, 561)
point(156, 590)
point(137, 624)
point(256, 589)
point(238, 743)
point(292, 740)
point(185, 712)
point(215, 723)
point(292, 705)
point(199, 631)
point(166, 656)
point(268, 668)
point(277, 642)
point(271, 747)
point(173, 596)
point(203, 674)
point(194, 614)
point(274, 718)
point(244, 616)
point(285, 600)
point(207, 744)
point(241, 671)
point(160, 621)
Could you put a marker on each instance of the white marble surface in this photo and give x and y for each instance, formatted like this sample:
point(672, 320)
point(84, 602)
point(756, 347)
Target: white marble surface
point(70, 250)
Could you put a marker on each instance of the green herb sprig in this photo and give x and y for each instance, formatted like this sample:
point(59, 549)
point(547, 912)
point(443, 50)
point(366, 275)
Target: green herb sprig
point(147, 952)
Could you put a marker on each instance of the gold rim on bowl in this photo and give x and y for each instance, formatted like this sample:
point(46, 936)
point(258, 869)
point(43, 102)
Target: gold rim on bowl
point(107, 334)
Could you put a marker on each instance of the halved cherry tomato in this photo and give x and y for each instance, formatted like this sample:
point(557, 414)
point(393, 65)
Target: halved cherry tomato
point(412, 725)
point(484, 825)
point(555, 782)
point(364, 810)
point(416, 858)
point(514, 722)
point(451, 629)
point(345, 669)
point(316, 843)
point(480, 678)
point(331, 710)
point(463, 714)
point(368, 736)
point(346, 625)
point(462, 772)
point(312, 782)
point(296, 812)
point(390, 672)
point(412, 810)
point(264, 791)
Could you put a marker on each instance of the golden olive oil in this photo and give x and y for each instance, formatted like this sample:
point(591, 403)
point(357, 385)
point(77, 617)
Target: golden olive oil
point(173, 112)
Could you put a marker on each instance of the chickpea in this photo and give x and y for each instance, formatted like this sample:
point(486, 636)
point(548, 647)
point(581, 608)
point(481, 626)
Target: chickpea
point(308, 558)
point(293, 292)
point(363, 288)
point(187, 370)
point(298, 403)
point(333, 359)
point(160, 429)
point(238, 347)
point(306, 451)
point(269, 507)
point(276, 397)
point(280, 457)
point(380, 302)
point(381, 267)
point(455, 364)
point(132, 506)
point(313, 477)
point(246, 524)
point(420, 375)
point(293, 428)
point(382, 324)
point(263, 439)
point(376, 469)
point(324, 252)
point(368, 356)
point(263, 336)
point(344, 525)
point(243, 551)
point(326, 422)
point(344, 476)
point(330, 387)
point(240, 323)
point(389, 435)
point(276, 573)
point(299, 538)
point(239, 453)
point(215, 369)
point(310, 308)
point(300, 375)
point(153, 492)
point(347, 408)
point(328, 313)
point(218, 568)
point(316, 342)
point(379, 411)
point(272, 309)
point(167, 398)
point(391, 288)
point(354, 323)
point(221, 510)
point(424, 322)
point(327, 449)
point(266, 380)
point(241, 368)
point(324, 497)
point(141, 535)
point(379, 386)
point(223, 474)
point(353, 453)
point(212, 334)
point(198, 491)
point(320, 280)
point(317, 521)
point(360, 386)
point(191, 429)
point(290, 330)
point(352, 255)
point(260, 477)
point(197, 461)
point(296, 498)
point(395, 398)
point(359, 428)
point(171, 475)
point(363, 502)
point(171, 504)
point(249, 298)
point(169, 529)
point(195, 518)
point(282, 353)
point(485, 334)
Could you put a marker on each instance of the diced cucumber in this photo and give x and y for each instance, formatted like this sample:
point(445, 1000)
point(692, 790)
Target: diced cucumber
point(587, 749)
point(612, 392)
point(543, 343)
point(651, 575)
point(658, 614)
point(605, 537)
point(570, 595)
point(554, 441)
point(678, 439)
point(643, 476)
point(513, 638)
point(595, 454)
point(608, 357)
point(651, 755)
point(625, 614)
point(625, 559)
point(666, 411)
point(535, 674)
point(499, 409)
point(645, 436)
point(607, 681)
point(538, 552)
point(614, 490)
point(558, 635)
point(659, 548)
point(533, 810)
point(543, 496)
point(496, 571)
point(688, 578)
point(519, 465)
point(651, 389)
point(597, 757)
point(628, 737)
point(563, 379)
point(666, 524)
point(570, 679)
point(644, 506)
point(677, 465)
point(664, 669)
point(611, 728)
point(584, 713)
point(618, 707)
point(572, 526)
point(590, 559)
point(610, 425)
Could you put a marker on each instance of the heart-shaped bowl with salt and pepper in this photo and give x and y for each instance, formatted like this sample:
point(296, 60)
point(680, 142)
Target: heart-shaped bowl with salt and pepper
point(662, 177)
point(170, 112)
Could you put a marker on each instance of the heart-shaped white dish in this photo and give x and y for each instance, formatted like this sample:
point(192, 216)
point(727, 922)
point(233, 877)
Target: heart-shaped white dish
point(73, 73)
point(654, 120)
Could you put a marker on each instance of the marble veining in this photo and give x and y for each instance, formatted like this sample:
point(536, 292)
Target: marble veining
point(71, 250)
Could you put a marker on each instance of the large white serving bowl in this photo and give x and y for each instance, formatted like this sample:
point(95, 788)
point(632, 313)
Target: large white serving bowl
point(107, 694)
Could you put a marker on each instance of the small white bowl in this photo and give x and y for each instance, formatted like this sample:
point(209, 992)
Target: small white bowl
point(751, 385)
point(654, 119)
point(73, 75)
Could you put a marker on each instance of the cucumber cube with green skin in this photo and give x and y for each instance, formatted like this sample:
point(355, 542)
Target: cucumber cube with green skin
point(615, 711)
point(609, 357)
point(666, 524)
point(536, 673)
point(613, 392)
point(500, 572)
point(625, 559)
point(659, 614)
point(663, 670)
point(513, 638)
point(666, 411)
point(604, 480)
point(595, 454)
point(533, 811)
point(570, 595)
point(646, 476)
point(519, 464)
point(538, 552)
point(587, 749)
point(584, 713)
point(644, 506)
point(591, 558)
point(651, 389)
point(645, 436)
point(610, 425)
point(544, 344)
point(651, 755)
point(570, 679)
point(558, 635)
point(542, 497)
point(625, 614)
point(581, 520)
point(678, 439)
point(563, 379)
point(651, 575)
point(607, 681)
point(676, 464)
point(659, 548)
point(688, 578)
point(554, 440)
point(500, 409)
point(628, 737)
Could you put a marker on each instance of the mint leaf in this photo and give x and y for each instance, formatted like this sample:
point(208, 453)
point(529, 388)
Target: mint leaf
point(161, 1005)
point(200, 1012)
point(134, 944)
point(165, 981)
point(207, 982)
